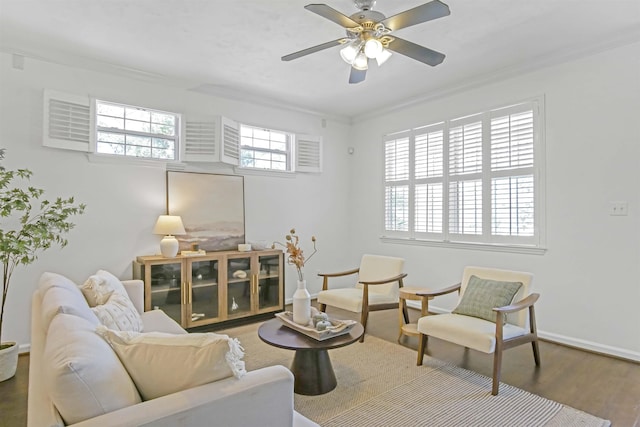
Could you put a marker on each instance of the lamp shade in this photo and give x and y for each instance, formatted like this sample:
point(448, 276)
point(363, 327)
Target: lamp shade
point(169, 224)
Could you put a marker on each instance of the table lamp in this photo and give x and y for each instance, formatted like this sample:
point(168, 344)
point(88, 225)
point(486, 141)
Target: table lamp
point(169, 225)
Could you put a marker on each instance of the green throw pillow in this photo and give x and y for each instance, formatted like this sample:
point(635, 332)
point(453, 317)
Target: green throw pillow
point(481, 295)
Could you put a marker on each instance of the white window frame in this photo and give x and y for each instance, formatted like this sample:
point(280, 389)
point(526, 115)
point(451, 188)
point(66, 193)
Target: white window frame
point(486, 240)
point(177, 137)
point(288, 152)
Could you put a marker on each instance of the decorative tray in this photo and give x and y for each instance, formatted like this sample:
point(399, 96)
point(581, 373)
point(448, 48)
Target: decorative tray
point(337, 328)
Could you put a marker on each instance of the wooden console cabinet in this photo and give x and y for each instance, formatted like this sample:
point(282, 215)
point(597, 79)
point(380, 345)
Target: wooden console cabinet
point(212, 288)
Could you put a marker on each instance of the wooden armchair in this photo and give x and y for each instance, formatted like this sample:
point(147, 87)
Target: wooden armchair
point(498, 328)
point(379, 278)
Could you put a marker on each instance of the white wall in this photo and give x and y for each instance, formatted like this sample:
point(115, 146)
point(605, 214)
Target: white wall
point(123, 201)
point(589, 278)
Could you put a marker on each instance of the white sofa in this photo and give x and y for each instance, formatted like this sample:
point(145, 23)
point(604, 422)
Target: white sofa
point(263, 397)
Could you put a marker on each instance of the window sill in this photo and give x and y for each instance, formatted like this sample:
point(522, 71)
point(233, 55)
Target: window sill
point(521, 249)
point(124, 160)
point(264, 172)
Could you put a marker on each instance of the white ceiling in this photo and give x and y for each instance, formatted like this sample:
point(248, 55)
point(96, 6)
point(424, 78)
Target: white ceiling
point(233, 47)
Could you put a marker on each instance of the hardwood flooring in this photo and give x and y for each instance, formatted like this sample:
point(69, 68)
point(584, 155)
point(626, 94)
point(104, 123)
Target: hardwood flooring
point(603, 386)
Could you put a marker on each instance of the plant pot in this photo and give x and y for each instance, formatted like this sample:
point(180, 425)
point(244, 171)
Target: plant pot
point(8, 360)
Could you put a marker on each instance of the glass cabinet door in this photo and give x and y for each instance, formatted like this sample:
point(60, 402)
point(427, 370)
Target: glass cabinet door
point(239, 286)
point(166, 289)
point(269, 279)
point(203, 303)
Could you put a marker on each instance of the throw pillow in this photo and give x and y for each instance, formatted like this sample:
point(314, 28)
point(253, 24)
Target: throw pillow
point(83, 375)
point(96, 290)
point(482, 295)
point(161, 363)
point(119, 313)
point(113, 282)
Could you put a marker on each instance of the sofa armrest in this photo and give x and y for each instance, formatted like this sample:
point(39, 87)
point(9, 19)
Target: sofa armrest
point(263, 397)
point(135, 290)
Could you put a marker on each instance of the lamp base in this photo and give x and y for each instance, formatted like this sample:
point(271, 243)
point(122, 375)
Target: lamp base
point(169, 246)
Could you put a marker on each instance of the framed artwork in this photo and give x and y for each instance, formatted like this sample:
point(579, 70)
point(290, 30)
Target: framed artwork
point(211, 207)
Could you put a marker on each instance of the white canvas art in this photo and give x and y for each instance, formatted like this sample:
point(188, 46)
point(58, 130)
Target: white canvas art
point(211, 207)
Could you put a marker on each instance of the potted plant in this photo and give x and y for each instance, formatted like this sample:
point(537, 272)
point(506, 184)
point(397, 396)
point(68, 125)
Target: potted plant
point(29, 224)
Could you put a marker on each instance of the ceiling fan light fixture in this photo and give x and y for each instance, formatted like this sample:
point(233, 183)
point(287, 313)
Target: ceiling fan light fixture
point(383, 56)
point(361, 62)
point(350, 51)
point(372, 48)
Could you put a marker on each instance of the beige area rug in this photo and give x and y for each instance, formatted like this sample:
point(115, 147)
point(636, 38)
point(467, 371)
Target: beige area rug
point(379, 385)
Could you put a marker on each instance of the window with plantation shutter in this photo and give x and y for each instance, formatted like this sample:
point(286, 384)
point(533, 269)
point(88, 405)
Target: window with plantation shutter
point(472, 180)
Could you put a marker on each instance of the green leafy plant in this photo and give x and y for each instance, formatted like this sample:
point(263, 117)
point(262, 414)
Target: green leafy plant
point(29, 224)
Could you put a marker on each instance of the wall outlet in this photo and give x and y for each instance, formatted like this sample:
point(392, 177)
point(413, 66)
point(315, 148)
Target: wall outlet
point(618, 208)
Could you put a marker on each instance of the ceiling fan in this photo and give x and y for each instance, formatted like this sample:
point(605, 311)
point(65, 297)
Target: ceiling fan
point(369, 35)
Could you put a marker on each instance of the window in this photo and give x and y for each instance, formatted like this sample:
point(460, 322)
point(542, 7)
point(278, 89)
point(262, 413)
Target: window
point(136, 132)
point(469, 180)
point(265, 149)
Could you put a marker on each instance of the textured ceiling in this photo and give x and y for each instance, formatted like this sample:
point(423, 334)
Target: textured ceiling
point(233, 47)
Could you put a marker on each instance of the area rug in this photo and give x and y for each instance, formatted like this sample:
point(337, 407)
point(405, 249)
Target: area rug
point(379, 385)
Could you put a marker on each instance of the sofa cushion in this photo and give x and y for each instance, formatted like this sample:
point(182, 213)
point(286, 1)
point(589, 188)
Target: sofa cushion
point(119, 313)
point(482, 295)
point(161, 363)
point(58, 300)
point(83, 376)
point(52, 280)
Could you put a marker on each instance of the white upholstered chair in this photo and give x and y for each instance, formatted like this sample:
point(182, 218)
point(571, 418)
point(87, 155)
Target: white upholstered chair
point(379, 278)
point(462, 327)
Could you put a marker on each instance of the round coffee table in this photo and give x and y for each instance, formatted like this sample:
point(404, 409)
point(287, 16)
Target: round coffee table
point(311, 365)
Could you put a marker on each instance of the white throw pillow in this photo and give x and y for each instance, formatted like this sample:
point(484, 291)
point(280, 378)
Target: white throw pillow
point(83, 375)
point(97, 290)
point(119, 313)
point(113, 282)
point(161, 363)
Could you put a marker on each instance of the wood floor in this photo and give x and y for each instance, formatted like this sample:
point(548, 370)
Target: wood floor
point(603, 386)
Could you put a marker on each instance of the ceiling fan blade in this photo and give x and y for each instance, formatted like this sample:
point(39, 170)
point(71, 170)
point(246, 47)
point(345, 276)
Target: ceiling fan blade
point(357, 76)
point(415, 51)
point(332, 15)
point(313, 49)
point(427, 12)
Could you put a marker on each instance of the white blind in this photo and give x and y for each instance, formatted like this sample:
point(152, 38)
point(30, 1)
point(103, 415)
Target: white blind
point(308, 153)
point(428, 208)
point(470, 179)
point(396, 210)
point(512, 206)
point(512, 140)
point(428, 154)
point(396, 159)
point(512, 152)
point(200, 140)
point(465, 148)
point(465, 207)
point(67, 121)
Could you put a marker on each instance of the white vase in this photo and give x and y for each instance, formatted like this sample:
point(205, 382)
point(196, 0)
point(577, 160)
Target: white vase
point(301, 304)
point(8, 361)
